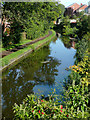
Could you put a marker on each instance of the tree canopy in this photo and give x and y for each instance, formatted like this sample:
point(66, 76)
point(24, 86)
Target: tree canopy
point(34, 18)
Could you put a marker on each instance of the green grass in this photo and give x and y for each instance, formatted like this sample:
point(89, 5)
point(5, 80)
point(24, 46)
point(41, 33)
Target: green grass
point(14, 45)
point(7, 59)
point(22, 42)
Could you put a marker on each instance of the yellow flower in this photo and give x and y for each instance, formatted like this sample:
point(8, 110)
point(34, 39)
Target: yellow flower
point(86, 73)
point(70, 67)
point(54, 89)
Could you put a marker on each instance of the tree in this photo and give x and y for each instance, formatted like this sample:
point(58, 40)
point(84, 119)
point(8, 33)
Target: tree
point(35, 18)
point(68, 12)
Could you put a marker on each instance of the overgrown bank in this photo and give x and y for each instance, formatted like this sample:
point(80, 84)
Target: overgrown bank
point(75, 101)
point(13, 58)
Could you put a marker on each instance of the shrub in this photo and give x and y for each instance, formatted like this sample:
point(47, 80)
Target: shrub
point(35, 108)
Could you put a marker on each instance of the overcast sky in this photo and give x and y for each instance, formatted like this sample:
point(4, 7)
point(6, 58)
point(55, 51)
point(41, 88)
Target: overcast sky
point(68, 2)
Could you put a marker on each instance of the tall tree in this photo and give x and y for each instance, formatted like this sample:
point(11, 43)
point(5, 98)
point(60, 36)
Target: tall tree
point(35, 18)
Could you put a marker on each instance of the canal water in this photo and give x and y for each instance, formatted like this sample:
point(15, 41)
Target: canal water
point(39, 73)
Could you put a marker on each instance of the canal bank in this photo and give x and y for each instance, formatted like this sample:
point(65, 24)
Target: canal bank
point(34, 75)
point(12, 59)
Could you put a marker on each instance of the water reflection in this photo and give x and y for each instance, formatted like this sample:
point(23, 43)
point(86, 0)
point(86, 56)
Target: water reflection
point(35, 73)
point(68, 43)
point(21, 79)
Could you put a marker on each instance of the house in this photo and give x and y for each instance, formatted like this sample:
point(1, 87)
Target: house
point(81, 8)
point(71, 9)
point(87, 10)
point(74, 6)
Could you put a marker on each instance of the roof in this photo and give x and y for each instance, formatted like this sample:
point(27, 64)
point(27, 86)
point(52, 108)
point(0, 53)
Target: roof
point(87, 7)
point(83, 7)
point(74, 6)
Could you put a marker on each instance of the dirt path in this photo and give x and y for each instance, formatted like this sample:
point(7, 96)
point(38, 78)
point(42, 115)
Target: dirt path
point(7, 52)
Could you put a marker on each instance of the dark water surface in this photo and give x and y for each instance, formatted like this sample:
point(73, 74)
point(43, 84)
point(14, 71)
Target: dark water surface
point(43, 70)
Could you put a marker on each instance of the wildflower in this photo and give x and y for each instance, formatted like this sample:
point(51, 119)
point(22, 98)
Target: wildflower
point(61, 111)
point(87, 73)
point(42, 113)
point(70, 67)
point(32, 111)
point(67, 115)
point(61, 106)
point(75, 70)
point(54, 90)
point(39, 111)
point(42, 101)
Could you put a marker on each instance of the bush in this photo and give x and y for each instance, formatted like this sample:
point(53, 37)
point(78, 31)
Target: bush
point(35, 108)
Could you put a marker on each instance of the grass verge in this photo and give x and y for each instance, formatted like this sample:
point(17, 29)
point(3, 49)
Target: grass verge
point(22, 42)
point(14, 56)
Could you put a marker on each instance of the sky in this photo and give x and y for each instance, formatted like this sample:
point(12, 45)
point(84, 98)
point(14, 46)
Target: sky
point(66, 3)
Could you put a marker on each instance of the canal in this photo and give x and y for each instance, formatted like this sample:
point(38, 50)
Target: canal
point(39, 73)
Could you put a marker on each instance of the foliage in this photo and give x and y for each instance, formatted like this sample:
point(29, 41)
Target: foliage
point(34, 18)
point(75, 104)
point(62, 8)
point(67, 42)
point(68, 12)
point(7, 59)
point(81, 47)
point(69, 31)
point(83, 26)
point(65, 22)
point(77, 30)
point(75, 99)
point(78, 89)
point(36, 108)
point(65, 28)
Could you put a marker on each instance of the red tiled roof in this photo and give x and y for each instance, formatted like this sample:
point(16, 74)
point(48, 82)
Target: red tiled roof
point(83, 7)
point(74, 6)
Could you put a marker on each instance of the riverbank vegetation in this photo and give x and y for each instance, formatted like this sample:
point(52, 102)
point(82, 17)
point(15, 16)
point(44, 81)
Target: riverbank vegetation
point(27, 20)
point(75, 100)
point(9, 58)
point(22, 42)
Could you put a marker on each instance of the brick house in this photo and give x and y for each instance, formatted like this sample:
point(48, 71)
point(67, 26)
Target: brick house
point(87, 10)
point(81, 8)
point(71, 9)
point(74, 6)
